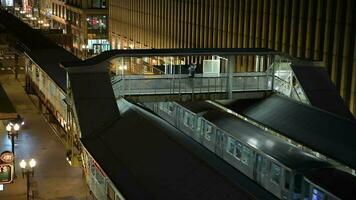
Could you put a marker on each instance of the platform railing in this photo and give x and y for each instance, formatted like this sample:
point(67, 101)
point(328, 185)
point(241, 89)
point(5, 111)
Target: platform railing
point(183, 84)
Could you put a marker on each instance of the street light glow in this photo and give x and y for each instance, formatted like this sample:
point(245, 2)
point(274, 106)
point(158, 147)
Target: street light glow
point(32, 163)
point(23, 164)
point(8, 127)
point(16, 127)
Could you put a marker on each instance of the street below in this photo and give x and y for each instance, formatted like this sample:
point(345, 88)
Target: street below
point(53, 178)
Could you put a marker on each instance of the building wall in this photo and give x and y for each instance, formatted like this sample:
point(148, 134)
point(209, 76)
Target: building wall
point(315, 29)
point(72, 16)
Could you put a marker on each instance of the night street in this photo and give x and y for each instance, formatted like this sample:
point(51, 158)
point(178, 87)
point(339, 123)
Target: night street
point(53, 178)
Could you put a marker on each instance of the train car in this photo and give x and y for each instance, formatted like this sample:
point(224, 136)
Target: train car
point(188, 117)
point(183, 115)
point(273, 163)
point(329, 184)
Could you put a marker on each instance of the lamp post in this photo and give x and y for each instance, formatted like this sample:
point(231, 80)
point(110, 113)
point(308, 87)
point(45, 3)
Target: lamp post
point(29, 172)
point(13, 131)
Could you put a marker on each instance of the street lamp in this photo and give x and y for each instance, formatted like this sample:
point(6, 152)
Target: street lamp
point(29, 172)
point(12, 132)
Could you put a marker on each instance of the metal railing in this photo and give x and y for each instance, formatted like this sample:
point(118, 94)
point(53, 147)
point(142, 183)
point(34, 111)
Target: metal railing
point(183, 84)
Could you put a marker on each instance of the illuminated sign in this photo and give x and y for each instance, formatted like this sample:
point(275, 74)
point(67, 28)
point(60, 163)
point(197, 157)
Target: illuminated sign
point(5, 173)
point(7, 157)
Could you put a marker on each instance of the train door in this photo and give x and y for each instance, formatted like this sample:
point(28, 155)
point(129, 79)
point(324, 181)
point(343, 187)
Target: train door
point(219, 143)
point(275, 179)
point(261, 170)
point(287, 184)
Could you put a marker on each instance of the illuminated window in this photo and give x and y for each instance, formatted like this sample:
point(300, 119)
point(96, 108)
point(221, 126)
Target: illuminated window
point(318, 195)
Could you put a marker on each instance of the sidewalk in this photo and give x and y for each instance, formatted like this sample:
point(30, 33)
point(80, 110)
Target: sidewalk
point(54, 178)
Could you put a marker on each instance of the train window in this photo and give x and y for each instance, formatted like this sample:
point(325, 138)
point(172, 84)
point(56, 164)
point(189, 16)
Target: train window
point(264, 165)
point(170, 108)
point(287, 179)
point(186, 119)
point(238, 149)
point(246, 155)
point(199, 124)
point(230, 148)
point(275, 173)
point(166, 107)
point(318, 195)
point(161, 105)
point(233, 147)
point(208, 132)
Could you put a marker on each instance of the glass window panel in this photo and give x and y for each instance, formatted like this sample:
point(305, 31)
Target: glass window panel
point(208, 132)
point(186, 119)
point(199, 124)
point(246, 155)
point(275, 173)
point(318, 195)
point(238, 149)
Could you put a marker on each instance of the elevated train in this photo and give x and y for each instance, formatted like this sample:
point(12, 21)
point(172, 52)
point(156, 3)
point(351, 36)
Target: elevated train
point(281, 168)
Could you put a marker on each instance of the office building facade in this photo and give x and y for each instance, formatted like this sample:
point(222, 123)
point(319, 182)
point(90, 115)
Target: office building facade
point(84, 20)
point(322, 30)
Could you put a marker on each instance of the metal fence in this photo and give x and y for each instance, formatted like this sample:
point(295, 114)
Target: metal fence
point(183, 84)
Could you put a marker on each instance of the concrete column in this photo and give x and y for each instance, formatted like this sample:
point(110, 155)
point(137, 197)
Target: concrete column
point(264, 41)
point(252, 33)
point(258, 23)
point(353, 84)
point(317, 39)
point(301, 29)
point(246, 33)
point(240, 23)
point(272, 24)
point(28, 75)
point(278, 31)
point(346, 68)
point(293, 32)
point(234, 24)
point(230, 68)
point(310, 22)
point(327, 31)
point(336, 45)
point(286, 27)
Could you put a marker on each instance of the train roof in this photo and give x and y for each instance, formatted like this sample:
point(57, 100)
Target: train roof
point(197, 107)
point(261, 140)
point(319, 130)
point(319, 89)
point(145, 163)
point(338, 183)
point(143, 155)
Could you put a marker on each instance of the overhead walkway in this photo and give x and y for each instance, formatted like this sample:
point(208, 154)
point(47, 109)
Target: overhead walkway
point(183, 87)
point(164, 74)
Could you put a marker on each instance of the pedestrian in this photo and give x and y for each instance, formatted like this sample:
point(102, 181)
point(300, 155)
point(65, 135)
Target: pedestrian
point(191, 69)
